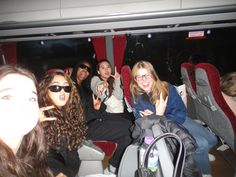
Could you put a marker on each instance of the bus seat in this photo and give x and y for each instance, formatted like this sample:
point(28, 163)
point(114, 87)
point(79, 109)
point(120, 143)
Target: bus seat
point(187, 75)
point(91, 155)
point(126, 78)
point(107, 147)
point(68, 70)
point(213, 107)
point(54, 70)
point(91, 158)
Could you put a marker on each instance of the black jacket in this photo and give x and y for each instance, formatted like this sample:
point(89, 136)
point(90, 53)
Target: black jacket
point(143, 127)
point(63, 161)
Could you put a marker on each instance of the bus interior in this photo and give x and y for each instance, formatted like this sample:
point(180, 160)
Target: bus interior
point(41, 35)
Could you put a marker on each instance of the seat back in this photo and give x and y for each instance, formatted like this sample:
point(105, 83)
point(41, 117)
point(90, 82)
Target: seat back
point(91, 155)
point(68, 70)
point(188, 78)
point(91, 158)
point(213, 108)
point(126, 78)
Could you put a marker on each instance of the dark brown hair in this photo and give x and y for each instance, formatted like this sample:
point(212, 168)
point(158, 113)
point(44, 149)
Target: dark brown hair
point(110, 80)
point(30, 157)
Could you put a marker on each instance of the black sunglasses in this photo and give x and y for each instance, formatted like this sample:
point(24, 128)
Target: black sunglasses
point(83, 66)
point(57, 88)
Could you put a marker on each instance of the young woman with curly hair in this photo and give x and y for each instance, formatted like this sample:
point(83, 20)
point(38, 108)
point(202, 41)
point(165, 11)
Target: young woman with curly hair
point(67, 132)
point(22, 147)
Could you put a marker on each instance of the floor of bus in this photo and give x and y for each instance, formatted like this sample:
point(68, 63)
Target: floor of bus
point(225, 163)
point(223, 166)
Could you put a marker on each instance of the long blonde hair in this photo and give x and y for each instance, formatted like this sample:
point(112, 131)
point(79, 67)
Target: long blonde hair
point(157, 87)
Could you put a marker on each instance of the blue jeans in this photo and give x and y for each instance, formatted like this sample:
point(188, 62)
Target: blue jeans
point(205, 141)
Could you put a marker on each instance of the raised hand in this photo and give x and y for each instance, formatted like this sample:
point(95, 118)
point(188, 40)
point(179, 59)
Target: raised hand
point(96, 102)
point(102, 88)
point(116, 74)
point(161, 105)
point(42, 117)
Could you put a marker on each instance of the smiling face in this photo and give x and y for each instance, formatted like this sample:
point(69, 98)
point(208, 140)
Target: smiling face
point(104, 70)
point(144, 80)
point(60, 95)
point(18, 106)
point(83, 72)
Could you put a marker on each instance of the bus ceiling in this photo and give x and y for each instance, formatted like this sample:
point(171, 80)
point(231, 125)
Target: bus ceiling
point(60, 19)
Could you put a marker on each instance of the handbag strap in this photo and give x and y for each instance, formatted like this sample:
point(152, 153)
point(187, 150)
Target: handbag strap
point(178, 170)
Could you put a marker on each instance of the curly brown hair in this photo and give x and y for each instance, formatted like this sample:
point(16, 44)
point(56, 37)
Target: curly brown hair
point(70, 128)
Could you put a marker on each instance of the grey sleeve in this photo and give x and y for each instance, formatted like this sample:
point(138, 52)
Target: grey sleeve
point(95, 82)
point(118, 91)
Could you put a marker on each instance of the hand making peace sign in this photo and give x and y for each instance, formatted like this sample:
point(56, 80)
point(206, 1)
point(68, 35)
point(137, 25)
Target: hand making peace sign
point(96, 102)
point(116, 74)
point(161, 105)
point(42, 117)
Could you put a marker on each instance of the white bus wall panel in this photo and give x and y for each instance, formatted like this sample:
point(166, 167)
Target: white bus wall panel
point(96, 8)
point(29, 10)
point(187, 4)
point(44, 10)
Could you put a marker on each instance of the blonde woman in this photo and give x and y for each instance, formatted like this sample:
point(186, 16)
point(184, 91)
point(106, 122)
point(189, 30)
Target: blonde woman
point(150, 95)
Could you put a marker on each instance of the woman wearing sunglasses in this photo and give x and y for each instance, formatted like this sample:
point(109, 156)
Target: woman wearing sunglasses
point(101, 124)
point(67, 132)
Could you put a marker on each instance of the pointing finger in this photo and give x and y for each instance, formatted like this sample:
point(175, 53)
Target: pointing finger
point(47, 108)
point(49, 119)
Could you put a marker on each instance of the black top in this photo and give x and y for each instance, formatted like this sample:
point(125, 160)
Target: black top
point(63, 161)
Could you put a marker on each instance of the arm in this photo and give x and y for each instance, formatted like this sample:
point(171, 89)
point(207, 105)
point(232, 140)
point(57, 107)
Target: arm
point(175, 109)
point(142, 108)
point(135, 108)
point(117, 92)
point(91, 112)
point(96, 84)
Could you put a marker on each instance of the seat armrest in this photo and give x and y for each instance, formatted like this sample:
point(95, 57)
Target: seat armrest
point(90, 152)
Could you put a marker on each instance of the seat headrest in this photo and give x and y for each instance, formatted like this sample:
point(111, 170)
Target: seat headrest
point(190, 71)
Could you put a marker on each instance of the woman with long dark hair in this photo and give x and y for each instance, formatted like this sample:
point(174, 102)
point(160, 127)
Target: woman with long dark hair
point(22, 142)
